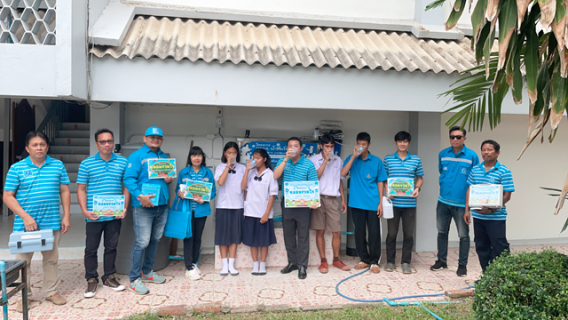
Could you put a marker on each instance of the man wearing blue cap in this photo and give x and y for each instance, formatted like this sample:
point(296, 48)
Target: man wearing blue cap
point(149, 220)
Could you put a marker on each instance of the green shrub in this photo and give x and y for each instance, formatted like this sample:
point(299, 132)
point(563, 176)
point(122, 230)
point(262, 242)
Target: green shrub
point(525, 285)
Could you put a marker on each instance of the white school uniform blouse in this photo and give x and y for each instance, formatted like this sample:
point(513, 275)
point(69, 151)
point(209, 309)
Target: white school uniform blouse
point(259, 192)
point(230, 196)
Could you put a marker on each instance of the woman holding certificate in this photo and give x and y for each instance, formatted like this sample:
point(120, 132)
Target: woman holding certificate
point(195, 183)
point(230, 206)
point(260, 190)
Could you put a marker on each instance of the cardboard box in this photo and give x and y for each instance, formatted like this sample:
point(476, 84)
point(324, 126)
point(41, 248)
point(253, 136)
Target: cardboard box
point(400, 187)
point(485, 195)
point(31, 241)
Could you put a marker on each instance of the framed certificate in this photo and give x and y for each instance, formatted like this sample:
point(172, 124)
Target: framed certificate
point(301, 194)
point(108, 205)
point(485, 195)
point(198, 188)
point(400, 187)
point(161, 168)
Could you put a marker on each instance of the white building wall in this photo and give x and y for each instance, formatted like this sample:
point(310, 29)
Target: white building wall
point(181, 122)
point(530, 211)
point(357, 9)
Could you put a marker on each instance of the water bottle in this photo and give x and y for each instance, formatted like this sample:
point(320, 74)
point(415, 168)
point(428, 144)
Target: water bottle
point(330, 156)
point(359, 150)
point(233, 161)
point(251, 164)
point(293, 154)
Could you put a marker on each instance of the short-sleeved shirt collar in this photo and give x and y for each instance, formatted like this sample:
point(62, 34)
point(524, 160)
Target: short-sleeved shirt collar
point(495, 167)
point(301, 161)
point(408, 156)
point(369, 157)
point(29, 162)
point(98, 157)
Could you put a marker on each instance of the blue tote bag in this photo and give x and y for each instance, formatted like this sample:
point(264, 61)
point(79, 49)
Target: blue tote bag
point(178, 225)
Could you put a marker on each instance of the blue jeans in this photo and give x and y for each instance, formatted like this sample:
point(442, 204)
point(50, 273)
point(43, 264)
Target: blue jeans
point(444, 215)
point(149, 226)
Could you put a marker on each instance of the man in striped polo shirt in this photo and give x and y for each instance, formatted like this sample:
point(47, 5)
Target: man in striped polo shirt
point(32, 191)
point(454, 165)
point(295, 167)
point(489, 224)
point(402, 164)
point(101, 175)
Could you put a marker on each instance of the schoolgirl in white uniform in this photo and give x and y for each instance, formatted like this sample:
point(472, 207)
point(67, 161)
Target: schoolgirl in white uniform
point(258, 227)
point(230, 206)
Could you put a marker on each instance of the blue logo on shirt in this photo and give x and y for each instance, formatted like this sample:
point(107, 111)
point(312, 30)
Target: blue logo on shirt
point(27, 173)
point(463, 170)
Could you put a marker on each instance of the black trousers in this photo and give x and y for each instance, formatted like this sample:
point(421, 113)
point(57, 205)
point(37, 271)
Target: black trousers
point(408, 217)
point(367, 220)
point(95, 230)
point(490, 240)
point(296, 221)
point(192, 246)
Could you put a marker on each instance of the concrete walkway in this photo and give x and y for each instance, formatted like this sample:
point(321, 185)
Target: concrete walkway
point(247, 290)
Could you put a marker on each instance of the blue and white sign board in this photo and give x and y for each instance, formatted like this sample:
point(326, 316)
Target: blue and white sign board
point(276, 149)
point(301, 194)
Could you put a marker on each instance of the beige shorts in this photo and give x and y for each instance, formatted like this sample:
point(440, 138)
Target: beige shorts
point(327, 217)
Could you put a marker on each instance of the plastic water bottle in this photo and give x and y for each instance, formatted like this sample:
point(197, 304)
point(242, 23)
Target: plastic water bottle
point(233, 161)
point(251, 164)
point(330, 156)
point(359, 150)
point(293, 154)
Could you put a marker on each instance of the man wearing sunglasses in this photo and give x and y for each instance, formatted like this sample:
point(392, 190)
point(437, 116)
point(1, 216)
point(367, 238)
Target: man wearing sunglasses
point(454, 164)
point(101, 175)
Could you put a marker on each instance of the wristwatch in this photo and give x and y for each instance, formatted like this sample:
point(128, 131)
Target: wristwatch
point(419, 189)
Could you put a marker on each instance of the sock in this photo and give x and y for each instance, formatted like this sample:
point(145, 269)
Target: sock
point(255, 267)
point(232, 269)
point(323, 260)
point(262, 268)
point(225, 269)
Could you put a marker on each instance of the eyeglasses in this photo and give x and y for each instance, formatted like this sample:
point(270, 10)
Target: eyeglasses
point(103, 142)
point(155, 137)
point(456, 137)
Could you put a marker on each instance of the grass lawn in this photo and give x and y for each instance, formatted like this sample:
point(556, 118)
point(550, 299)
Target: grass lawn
point(456, 311)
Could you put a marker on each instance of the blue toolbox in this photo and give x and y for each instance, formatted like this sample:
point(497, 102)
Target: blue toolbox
point(31, 241)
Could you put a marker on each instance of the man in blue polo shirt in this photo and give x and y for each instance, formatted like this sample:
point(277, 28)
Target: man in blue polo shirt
point(402, 164)
point(366, 191)
point(32, 191)
point(295, 167)
point(149, 220)
point(454, 164)
point(489, 223)
point(101, 175)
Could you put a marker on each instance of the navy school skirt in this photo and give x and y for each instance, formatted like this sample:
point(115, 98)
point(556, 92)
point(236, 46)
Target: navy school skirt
point(256, 234)
point(228, 226)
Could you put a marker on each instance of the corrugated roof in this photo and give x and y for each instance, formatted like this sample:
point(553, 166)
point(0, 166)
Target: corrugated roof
point(179, 39)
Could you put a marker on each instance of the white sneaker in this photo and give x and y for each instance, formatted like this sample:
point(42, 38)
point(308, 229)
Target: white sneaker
point(196, 269)
point(192, 274)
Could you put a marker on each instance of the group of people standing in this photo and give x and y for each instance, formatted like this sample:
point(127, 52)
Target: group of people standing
point(244, 205)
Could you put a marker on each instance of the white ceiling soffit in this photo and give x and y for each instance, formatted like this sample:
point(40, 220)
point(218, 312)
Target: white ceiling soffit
point(209, 41)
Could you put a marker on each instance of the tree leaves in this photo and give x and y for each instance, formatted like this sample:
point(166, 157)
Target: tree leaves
point(528, 54)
